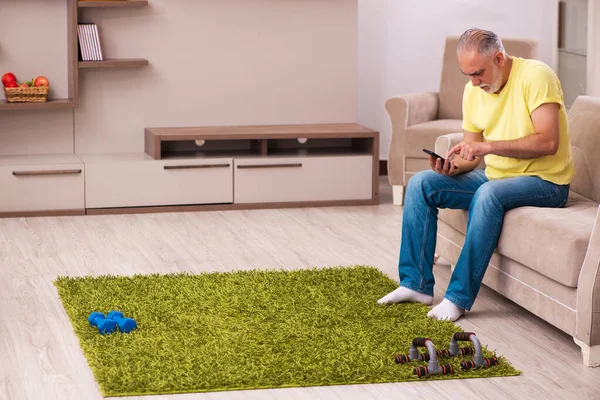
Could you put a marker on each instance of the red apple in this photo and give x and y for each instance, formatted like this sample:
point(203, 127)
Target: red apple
point(41, 81)
point(8, 77)
point(24, 85)
point(12, 84)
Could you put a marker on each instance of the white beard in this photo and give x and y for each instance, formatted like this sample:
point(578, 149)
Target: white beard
point(496, 83)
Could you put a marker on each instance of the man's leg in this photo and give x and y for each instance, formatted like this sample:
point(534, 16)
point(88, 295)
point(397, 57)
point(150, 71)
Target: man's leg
point(486, 214)
point(426, 192)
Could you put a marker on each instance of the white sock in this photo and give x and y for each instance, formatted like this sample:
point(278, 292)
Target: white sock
point(446, 310)
point(403, 294)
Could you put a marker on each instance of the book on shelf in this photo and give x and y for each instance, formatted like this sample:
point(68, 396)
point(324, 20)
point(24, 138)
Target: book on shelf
point(89, 42)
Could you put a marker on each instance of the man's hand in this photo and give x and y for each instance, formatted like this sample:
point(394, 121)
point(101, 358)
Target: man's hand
point(470, 150)
point(446, 168)
point(454, 158)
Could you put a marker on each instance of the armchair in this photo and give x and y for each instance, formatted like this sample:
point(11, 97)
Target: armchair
point(418, 119)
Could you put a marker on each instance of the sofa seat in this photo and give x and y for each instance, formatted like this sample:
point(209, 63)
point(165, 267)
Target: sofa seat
point(424, 135)
point(562, 235)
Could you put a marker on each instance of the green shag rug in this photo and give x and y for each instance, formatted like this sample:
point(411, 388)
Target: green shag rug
point(253, 329)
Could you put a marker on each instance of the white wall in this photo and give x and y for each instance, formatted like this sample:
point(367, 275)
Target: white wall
point(401, 44)
point(225, 62)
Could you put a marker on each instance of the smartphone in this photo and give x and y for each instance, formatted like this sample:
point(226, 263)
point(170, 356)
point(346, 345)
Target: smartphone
point(436, 156)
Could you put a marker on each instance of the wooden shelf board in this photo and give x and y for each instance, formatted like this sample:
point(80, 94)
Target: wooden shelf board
point(54, 103)
point(113, 3)
point(115, 63)
point(317, 131)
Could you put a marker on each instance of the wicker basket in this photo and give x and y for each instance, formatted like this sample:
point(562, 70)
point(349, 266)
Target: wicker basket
point(27, 95)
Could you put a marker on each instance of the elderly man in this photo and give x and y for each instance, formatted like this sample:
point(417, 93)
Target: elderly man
point(514, 116)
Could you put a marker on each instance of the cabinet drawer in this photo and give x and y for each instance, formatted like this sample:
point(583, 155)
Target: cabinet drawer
point(158, 182)
point(42, 187)
point(291, 179)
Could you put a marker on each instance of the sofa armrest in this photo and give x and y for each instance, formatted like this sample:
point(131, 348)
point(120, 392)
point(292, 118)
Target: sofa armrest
point(588, 291)
point(411, 109)
point(444, 143)
point(405, 111)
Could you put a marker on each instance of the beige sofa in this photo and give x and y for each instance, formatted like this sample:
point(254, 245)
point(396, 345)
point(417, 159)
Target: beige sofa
point(548, 260)
point(417, 119)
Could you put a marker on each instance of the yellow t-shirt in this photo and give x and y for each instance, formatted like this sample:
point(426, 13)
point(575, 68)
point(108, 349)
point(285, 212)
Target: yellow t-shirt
point(507, 116)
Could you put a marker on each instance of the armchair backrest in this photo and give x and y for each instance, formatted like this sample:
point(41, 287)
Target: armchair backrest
point(453, 81)
point(584, 131)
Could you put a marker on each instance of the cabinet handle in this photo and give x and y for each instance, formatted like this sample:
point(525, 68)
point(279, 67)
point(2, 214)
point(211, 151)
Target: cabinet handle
point(47, 172)
point(296, 165)
point(196, 166)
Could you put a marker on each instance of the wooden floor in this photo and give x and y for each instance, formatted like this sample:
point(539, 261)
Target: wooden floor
point(40, 357)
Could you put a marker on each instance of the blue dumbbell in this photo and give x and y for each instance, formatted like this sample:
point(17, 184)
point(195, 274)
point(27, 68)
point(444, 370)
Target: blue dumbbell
point(92, 319)
point(105, 325)
point(126, 325)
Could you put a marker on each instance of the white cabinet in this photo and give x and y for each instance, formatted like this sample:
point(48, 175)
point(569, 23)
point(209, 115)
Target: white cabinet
point(299, 179)
point(41, 183)
point(202, 168)
point(137, 180)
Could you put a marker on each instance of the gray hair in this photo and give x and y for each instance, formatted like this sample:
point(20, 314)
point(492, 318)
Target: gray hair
point(486, 43)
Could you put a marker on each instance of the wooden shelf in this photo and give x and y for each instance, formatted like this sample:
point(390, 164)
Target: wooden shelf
point(355, 139)
point(316, 131)
point(113, 3)
point(53, 104)
point(115, 63)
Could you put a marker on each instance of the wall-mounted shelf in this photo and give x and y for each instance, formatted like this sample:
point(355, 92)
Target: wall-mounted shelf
point(114, 3)
point(52, 104)
point(73, 63)
point(115, 63)
point(107, 62)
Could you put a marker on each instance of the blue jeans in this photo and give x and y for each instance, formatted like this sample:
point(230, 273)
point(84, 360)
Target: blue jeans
point(487, 202)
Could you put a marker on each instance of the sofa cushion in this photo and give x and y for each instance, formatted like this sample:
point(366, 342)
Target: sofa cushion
point(424, 135)
point(551, 241)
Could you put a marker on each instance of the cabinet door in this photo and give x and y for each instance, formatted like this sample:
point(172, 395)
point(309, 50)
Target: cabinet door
point(159, 182)
point(295, 179)
point(42, 187)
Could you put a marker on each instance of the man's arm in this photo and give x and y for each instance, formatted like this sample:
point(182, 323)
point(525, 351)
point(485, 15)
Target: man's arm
point(462, 164)
point(543, 142)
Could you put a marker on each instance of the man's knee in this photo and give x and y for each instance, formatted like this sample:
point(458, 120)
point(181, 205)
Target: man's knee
point(421, 178)
point(420, 186)
point(486, 198)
